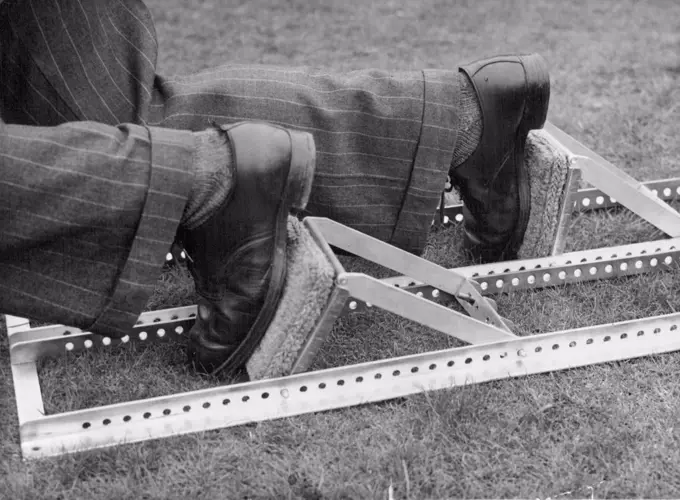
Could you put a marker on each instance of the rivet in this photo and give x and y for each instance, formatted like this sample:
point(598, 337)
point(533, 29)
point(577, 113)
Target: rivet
point(204, 312)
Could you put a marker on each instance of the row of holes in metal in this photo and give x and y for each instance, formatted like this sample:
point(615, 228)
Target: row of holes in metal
point(174, 317)
point(569, 262)
point(599, 200)
point(547, 277)
point(491, 272)
point(586, 201)
point(89, 343)
point(577, 273)
point(285, 393)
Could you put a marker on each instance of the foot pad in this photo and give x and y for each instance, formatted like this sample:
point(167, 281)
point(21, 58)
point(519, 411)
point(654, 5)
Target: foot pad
point(308, 286)
point(553, 182)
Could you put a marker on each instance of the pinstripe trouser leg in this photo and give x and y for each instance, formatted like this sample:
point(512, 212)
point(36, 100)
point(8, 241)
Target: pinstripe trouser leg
point(87, 210)
point(384, 141)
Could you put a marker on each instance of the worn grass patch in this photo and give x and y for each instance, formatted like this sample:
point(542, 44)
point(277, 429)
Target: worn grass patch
point(607, 431)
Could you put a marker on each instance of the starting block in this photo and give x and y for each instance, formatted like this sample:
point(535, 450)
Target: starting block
point(493, 351)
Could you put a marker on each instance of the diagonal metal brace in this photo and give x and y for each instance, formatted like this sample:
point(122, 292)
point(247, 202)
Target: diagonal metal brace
point(613, 181)
point(327, 232)
point(422, 310)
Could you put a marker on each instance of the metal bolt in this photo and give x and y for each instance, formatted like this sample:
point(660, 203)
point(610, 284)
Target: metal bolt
point(467, 297)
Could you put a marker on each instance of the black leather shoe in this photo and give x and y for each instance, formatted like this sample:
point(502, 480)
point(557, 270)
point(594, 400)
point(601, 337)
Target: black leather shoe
point(238, 256)
point(513, 92)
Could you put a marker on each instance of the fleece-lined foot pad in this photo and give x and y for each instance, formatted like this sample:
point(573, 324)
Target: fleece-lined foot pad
point(548, 167)
point(309, 283)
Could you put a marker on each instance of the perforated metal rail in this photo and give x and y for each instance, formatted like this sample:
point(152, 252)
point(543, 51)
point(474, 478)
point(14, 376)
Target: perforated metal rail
point(346, 386)
point(590, 199)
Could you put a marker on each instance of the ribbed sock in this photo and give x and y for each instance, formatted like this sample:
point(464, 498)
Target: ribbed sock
point(213, 177)
point(470, 131)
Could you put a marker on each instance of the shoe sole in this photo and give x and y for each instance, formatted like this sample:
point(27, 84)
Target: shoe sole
point(534, 117)
point(295, 196)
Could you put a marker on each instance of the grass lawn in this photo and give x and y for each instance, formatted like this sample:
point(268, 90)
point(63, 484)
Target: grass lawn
point(606, 431)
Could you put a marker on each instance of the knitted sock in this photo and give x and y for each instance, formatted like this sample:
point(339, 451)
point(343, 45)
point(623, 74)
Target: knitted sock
point(470, 131)
point(213, 177)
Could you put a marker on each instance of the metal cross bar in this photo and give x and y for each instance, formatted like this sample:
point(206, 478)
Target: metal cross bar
point(342, 387)
point(568, 268)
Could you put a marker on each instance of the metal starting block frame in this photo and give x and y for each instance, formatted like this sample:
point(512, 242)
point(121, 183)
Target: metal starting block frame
point(495, 352)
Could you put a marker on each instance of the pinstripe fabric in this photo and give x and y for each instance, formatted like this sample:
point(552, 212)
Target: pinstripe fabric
point(384, 141)
point(87, 210)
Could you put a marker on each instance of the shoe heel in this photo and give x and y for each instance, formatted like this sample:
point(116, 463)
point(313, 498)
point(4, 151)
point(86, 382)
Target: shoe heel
point(302, 165)
point(538, 90)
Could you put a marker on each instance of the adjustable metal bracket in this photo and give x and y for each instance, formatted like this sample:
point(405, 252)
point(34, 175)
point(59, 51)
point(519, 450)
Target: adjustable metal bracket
point(495, 353)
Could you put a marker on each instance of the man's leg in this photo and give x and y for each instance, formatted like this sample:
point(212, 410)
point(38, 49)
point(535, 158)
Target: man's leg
point(384, 141)
point(87, 209)
point(87, 213)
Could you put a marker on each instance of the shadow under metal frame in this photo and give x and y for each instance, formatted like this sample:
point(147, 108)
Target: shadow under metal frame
point(495, 352)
